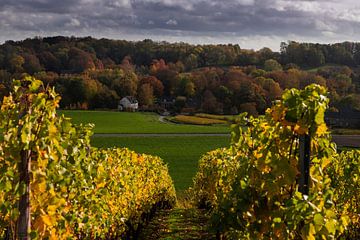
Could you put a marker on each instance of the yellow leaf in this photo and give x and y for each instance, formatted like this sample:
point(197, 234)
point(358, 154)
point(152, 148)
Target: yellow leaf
point(63, 189)
point(100, 185)
point(52, 192)
point(53, 234)
point(52, 209)
point(42, 186)
point(67, 208)
point(321, 130)
point(277, 113)
point(52, 129)
point(325, 162)
point(299, 129)
point(258, 154)
point(46, 219)
point(100, 169)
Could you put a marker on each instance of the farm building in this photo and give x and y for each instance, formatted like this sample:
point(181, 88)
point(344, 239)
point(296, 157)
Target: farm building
point(128, 103)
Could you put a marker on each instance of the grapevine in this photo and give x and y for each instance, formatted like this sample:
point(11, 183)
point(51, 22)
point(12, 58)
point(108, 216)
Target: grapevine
point(76, 191)
point(254, 192)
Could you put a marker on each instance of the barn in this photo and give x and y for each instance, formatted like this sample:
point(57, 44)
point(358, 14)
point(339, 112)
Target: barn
point(128, 103)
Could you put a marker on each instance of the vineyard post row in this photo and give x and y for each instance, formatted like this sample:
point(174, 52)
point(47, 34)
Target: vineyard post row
point(304, 159)
point(24, 168)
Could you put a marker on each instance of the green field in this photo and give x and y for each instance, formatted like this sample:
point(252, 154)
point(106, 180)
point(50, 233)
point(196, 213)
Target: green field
point(314, 70)
point(180, 153)
point(125, 122)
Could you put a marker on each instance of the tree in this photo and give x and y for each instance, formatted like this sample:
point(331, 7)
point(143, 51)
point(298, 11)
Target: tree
point(157, 65)
point(272, 88)
point(315, 57)
point(265, 54)
point(291, 66)
point(50, 62)
point(257, 73)
point(272, 65)
point(16, 63)
point(125, 84)
point(210, 104)
point(250, 108)
point(31, 64)
point(189, 89)
point(155, 83)
point(5, 78)
point(169, 80)
point(351, 101)
point(126, 64)
point(191, 62)
point(184, 85)
point(146, 95)
point(247, 57)
point(80, 61)
point(48, 78)
point(180, 102)
point(341, 83)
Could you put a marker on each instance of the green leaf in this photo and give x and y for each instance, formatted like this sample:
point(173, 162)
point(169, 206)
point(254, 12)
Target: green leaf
point(318, 219)
point(35, 85)
point(330, 225)
point(319, 117)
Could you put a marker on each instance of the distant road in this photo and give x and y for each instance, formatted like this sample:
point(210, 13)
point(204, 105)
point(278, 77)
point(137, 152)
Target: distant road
point(340, 140)
point(159, 134)
point(347, 140)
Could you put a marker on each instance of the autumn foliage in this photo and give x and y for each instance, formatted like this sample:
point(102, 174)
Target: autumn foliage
point(76, 190)
point(251, 189)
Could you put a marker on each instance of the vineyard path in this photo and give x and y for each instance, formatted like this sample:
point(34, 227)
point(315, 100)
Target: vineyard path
point(179, 223)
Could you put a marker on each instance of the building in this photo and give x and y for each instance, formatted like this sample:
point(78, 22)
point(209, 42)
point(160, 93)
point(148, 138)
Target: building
point(129, 104)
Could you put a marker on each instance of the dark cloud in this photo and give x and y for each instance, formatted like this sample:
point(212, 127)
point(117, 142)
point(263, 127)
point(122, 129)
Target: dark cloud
point(252, 23)
point(36, 6)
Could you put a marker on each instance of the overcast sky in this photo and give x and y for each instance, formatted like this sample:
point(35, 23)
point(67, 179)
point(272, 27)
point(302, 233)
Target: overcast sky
point(250, 23)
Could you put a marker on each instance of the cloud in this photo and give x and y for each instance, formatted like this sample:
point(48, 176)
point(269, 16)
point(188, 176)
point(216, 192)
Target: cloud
point(172, 22)
point(119, 3)
point(249, 22)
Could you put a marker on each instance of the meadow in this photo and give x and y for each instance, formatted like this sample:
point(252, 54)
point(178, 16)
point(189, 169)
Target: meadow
point(181, 153)
point(125, 122)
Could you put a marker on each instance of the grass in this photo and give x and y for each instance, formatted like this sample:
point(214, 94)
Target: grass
point(125, 122)
point(314, 70)
point(218, 117)
point(196, 120)
point(180, 153)
point(178, 223)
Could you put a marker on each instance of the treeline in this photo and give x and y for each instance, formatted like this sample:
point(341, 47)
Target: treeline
point(91, 73)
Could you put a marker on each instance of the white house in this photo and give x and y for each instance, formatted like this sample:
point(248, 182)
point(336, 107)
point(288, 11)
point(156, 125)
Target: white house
point(128, 103)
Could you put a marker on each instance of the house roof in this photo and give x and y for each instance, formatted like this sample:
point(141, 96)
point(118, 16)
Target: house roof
point(131, 99)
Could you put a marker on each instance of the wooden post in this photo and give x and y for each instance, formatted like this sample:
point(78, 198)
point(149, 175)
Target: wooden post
point(7, 233)
point(304, 164)
point(23, 227)
point(23, 224)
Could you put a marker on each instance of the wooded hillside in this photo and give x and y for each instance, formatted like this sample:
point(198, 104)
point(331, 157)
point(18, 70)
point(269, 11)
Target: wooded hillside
point(91, 73)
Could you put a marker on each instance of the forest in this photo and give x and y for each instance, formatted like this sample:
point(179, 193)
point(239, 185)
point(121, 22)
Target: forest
point(94, 73)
